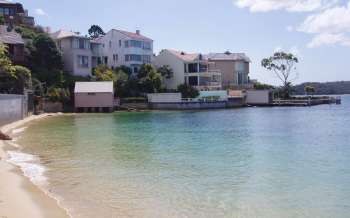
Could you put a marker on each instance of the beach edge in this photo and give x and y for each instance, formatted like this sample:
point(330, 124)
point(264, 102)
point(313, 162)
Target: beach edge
point(19, 197)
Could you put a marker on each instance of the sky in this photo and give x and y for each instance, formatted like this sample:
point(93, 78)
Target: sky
point(316, 31)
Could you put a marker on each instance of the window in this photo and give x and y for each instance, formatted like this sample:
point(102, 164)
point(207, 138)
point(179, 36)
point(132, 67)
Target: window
point(242, 78)
point(110, 44)
point(81, 44)
point(2, 11)
point(146, 58)
point(106, 60)
point(120, 43)
point(7, 11)
point(83, 61)
point(133, 57)
point(126, 43)
point(240, 66)
point(193, 81)
point(147, 45)
point(115, 58)
point(133, 43)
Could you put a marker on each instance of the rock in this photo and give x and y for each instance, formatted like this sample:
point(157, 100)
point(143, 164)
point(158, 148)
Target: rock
point(4, 137)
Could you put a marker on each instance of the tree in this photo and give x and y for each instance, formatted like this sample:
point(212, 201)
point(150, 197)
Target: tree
point(149, 79)
point(283, 65)
point(309, 90)
point(96, 31)
point(104, 73)
point(188, 91)
point(14, 79)
point(2, 20)
point(262, 86)
point(166, 71)
point(45, 60)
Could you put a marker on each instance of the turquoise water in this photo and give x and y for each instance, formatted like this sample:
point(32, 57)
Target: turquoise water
point(249, 162)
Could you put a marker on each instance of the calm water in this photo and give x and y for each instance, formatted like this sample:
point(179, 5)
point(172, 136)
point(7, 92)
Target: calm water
point(251, 162)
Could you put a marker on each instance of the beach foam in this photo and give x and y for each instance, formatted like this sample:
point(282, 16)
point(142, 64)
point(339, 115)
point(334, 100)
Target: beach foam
point(19, 130)
point(30, 166)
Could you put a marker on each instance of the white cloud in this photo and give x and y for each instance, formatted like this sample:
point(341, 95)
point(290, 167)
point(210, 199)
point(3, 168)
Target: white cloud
point(331, 26)
point(40, 12)
point(329, 39)
point(288, 5)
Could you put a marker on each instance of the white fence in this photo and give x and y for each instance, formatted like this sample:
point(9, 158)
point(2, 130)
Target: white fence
point(12, 108)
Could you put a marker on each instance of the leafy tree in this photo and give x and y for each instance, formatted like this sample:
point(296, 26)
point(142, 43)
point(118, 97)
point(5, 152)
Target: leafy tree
point(125, 69)
point(283, 65)
point(150, 79)
point(166, 71)
point(45, 60)
point(58, 95)
point(261, 86)
point(2, 20)
point(14, 79)
point(188, 91)
point(104, 73)
point(309, 90)
point(96, 31)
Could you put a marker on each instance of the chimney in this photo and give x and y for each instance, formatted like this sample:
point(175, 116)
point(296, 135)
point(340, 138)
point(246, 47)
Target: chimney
point(138, 32)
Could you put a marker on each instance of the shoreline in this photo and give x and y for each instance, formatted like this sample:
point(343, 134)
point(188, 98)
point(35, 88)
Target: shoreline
point(19, 197)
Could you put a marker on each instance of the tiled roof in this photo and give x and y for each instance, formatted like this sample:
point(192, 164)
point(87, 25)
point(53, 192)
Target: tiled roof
point(183, 55)
point(64, 34)
point(10, 37)
point(134, 35)
point(94, 87)
point(228, 56)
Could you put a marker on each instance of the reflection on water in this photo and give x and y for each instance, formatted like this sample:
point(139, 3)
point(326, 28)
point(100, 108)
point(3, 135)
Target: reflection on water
point(250, 162)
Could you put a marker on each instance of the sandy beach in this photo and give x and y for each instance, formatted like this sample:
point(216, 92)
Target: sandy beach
point(19, 198)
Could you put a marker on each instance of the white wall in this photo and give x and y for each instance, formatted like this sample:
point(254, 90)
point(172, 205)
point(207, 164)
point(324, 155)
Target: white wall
point(258, 97)
point(164, 98)
point(70, 58)
point(176, 64)
point(112, 38)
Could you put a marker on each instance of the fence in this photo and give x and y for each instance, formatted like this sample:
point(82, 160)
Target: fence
point(12, 108)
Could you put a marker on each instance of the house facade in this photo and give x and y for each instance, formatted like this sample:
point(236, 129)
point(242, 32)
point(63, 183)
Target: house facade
point(193, 69)
point(94, 96)
point(234, 67)
point(15, 14)
point(80, 54)
point(213, 71)
point(14, 43)
point(126, 48)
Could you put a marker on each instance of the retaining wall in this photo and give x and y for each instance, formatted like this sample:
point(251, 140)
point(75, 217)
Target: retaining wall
point(12, 108)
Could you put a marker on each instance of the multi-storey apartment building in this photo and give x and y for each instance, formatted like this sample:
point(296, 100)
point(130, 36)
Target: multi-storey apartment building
point(193, 69)
point(15, 14)
point(126, 48)
point(80, 54)
point(234, 68)
point(205, 72)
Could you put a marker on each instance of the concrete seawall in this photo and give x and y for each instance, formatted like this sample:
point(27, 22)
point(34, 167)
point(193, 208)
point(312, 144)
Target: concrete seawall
point(12, 108)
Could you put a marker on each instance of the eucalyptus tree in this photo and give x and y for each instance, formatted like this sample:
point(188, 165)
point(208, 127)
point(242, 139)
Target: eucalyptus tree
point(283, 65)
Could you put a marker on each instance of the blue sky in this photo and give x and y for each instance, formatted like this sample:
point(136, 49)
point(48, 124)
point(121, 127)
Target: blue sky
point(316, 30)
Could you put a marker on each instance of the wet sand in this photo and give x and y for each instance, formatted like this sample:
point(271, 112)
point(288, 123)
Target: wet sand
point(19, 198)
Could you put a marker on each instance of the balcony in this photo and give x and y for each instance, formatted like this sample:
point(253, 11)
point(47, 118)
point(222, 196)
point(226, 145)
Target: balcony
point(210, 80)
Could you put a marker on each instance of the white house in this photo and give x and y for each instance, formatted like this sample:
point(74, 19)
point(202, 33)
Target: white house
point(79, 53)
point(126, 48)
point(94, 96)
point(193, 69)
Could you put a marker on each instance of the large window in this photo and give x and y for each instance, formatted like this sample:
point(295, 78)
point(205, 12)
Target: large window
point(193, 68)
point(242, 78)
point(133, 44)
point(147, 46)
point(133, 57)
point(83, 61)
point(146, 59)
point(80, 43)
point(240, 66)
